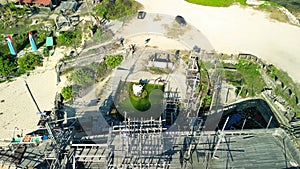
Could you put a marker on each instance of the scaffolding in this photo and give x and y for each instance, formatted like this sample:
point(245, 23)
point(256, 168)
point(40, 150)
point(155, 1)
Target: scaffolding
point(171, 102)
point(140, 144)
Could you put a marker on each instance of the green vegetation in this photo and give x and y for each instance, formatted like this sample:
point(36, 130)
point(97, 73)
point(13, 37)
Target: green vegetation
point(69, 38)
point(142, 103)
point(288, 81)
point(275, 13)
point(101, 36)
point(102, 71)
point(157, 70)
point(216, 3)
point(85, 75)
point(46, 52)
point(291, 5)
point(204, 87)
point(242, 2)
point(246, 78)
point(116, 10)
point(67, 92)
point(28, 62)
point(82, 76)
point(113, 61)
point(251, 75)
point(7, 65)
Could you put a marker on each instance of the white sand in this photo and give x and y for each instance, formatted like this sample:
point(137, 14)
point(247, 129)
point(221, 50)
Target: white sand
point(18, 108)
point(156, 41)
point(238, 29)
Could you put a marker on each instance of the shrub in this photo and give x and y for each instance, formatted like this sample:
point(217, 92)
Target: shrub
point(116, 10)
point(82, 76)
point(28, 62)
point(67, 92)
point(102, 71)
point(69, 38)
point(7, 65)
point(114, 61)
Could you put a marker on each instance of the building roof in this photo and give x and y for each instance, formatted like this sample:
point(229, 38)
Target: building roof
point(40, 2)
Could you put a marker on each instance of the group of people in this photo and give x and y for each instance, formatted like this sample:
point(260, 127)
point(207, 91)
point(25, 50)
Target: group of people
point(132, 47)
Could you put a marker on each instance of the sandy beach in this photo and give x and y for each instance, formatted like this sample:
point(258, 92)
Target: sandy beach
point(156, 41)
point(17, 108)
point(238, 29)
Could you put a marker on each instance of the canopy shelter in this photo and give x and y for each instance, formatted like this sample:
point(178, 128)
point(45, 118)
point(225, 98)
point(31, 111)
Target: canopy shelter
point(49, 41)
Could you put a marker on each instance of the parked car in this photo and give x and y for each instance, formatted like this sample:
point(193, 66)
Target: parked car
point(141, 15)
point(180, 20)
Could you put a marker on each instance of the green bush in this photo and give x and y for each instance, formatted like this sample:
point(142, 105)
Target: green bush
point(114, 61)
point(157, 70)
point(7, 65)
point(46, 52)
point(102, 71)
point(119, 9)
point(69, 38)
point(82, 76)
point(67, 92)
point(28, 62)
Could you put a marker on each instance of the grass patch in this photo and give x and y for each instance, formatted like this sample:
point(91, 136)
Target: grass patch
point(291, 5)
point(216, 3)
point(157, 70)
point(142, 103)
point(102, 36)
point(274, 12)
point(287, 80)
point(151, 98)
point(67, 71)
point(242, 2)
point(92, 51)
point(251, 75)
point(246, 77)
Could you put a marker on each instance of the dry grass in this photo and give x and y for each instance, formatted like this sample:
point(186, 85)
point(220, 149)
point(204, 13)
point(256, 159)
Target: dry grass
point(174, 30)
point(276, 14)
point(157, 18)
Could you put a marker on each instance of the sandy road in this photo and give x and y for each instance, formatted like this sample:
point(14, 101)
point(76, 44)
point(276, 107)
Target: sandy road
point(238, 29)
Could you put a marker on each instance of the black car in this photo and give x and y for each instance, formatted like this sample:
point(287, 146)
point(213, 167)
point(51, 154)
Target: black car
point(141, 15)
point(180, 20)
